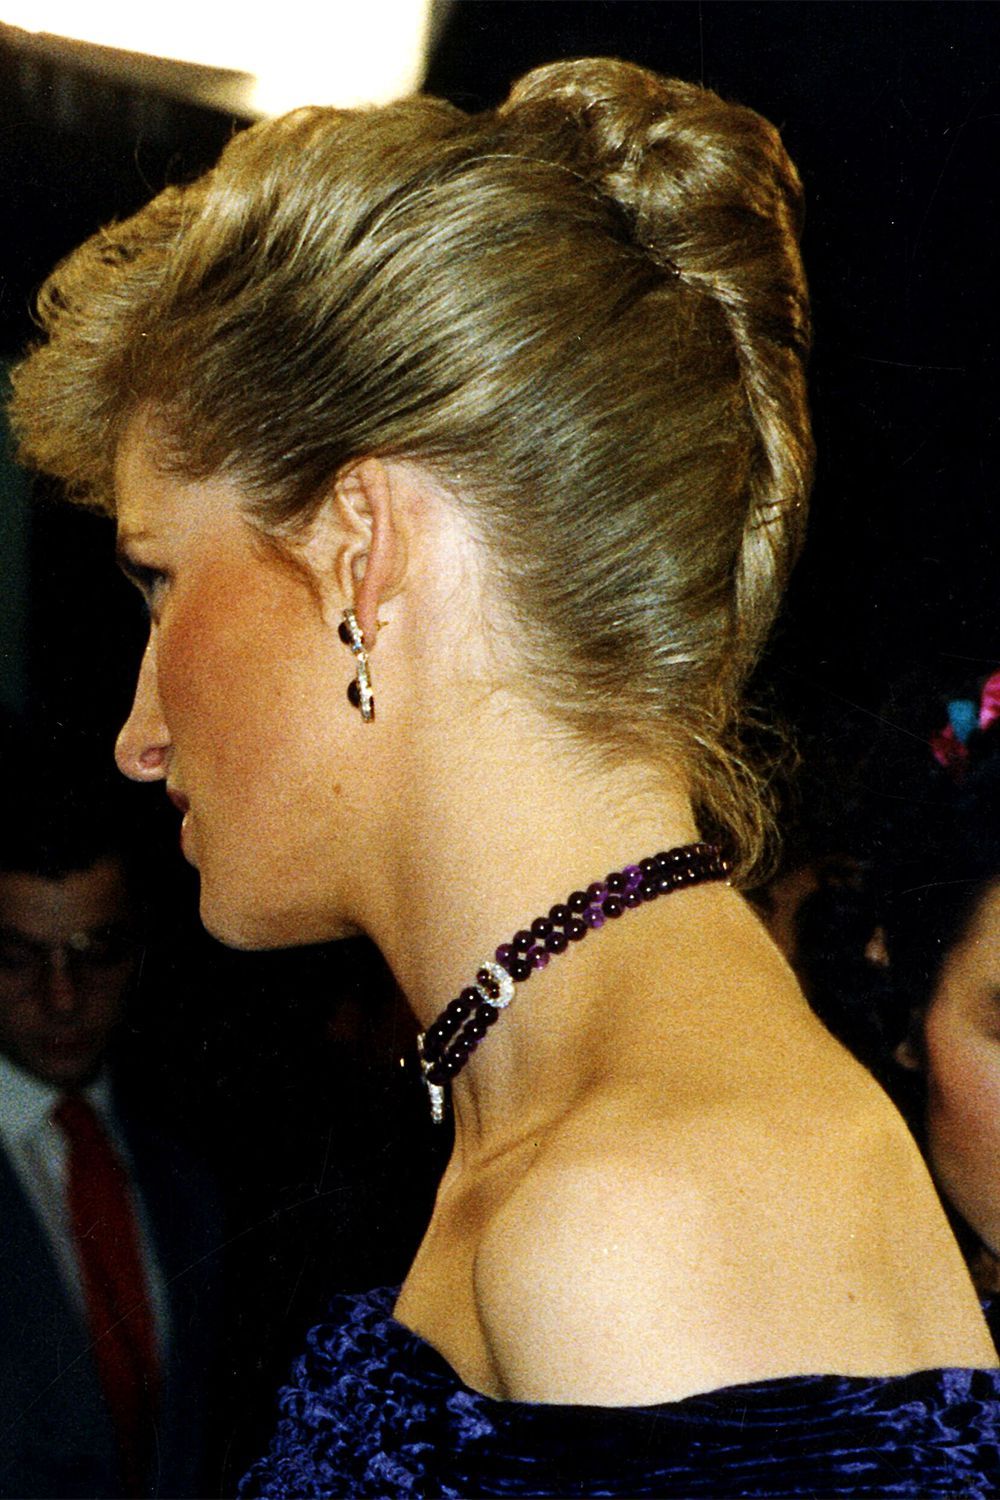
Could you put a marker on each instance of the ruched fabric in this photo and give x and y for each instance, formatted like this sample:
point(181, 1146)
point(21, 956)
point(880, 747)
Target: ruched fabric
point(372, 1410)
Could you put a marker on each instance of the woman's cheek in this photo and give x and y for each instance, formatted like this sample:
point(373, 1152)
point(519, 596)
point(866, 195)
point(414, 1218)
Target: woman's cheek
point(963, 1117)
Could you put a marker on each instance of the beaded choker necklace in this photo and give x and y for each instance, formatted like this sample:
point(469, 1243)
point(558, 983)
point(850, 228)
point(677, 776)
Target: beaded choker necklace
point(448, 1043)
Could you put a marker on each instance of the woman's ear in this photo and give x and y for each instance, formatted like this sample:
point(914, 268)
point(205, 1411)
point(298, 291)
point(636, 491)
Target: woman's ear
point(356, 546)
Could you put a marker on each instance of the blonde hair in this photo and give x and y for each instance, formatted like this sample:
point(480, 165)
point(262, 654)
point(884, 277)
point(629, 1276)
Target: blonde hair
point(583, 312)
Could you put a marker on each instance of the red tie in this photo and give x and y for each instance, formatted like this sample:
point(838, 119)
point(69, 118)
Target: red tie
point(106, 1237)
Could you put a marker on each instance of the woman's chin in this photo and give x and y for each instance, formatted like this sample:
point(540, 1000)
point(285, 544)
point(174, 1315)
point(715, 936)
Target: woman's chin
point(237, 927)
point(252, 928)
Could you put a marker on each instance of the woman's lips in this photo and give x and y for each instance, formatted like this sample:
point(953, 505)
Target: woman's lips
point(183, 806)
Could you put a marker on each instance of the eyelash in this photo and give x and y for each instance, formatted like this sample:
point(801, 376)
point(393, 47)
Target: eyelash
point(149, 582)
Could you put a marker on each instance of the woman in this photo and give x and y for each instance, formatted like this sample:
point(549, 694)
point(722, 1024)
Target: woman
point(501, 421)
point(920, 936)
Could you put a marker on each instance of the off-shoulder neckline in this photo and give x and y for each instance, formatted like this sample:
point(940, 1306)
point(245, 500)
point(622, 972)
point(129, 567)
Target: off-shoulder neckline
point(432, 1360)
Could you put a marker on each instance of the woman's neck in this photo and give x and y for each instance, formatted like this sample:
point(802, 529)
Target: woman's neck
point(490, 835)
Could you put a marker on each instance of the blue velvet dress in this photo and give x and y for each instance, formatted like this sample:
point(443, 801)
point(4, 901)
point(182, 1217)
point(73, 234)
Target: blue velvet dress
point(372, 1410)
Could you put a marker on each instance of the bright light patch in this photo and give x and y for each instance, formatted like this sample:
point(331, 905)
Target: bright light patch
point(298, 51)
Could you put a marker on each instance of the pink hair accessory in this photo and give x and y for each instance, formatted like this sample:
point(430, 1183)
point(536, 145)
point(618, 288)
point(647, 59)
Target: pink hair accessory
point(949, 746)
point(989, 701)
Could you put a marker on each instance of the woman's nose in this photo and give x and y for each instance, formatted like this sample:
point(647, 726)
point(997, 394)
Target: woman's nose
point(143, 745)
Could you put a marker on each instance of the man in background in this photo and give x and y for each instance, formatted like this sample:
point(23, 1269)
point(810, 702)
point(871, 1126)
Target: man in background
point(108, 1235)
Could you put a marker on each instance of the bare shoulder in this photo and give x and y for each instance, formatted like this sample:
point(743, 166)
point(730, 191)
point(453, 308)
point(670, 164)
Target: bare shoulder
point(642, 1260)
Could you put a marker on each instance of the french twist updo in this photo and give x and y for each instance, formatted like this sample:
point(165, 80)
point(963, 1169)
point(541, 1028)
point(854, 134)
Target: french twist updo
point(584, 313)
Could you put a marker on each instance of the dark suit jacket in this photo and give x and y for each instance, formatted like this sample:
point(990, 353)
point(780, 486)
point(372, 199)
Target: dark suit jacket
point(56, 1438)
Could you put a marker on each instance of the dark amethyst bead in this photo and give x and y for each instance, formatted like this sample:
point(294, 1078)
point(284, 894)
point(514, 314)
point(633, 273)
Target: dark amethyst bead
point(559, 914)
point(452, 1064)
point(633, 875)
point(667, 882)
point(649, 867)
point(522, 941)
point(470, 999)
point(519, 968)
point(474, 1028)
point(578, 902)
point(344, 633)
point(503, 955)
point(354, 693)
point(539, 957)
point(632, 897)
point(612, 907)
point(593, 916)
point(488, 1015)
point(541, 927)
point(556, 942)
point(615, 883)
point(596, 892)
point(487, 983)
point(649, 890)
point(576, 929)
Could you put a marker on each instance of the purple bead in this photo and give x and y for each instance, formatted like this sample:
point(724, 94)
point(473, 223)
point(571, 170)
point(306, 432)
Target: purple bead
point(594, 917)
point(649, 890)
point(633, 875)
point(470, 999)
point(649, 867)
point(540, 957)
point(667, 883)
point(504, 954)
point(519, 968)
point(522, 941)
point(556, 942)
point(596, 892)
point(612, 907)
point(615, 883)
point(541, 927)
point(488, 1014)
point(559, 914)
point(578, 902)
point(452, 1064)
point(474, 1029)
point(576, 929)
point(632, 897)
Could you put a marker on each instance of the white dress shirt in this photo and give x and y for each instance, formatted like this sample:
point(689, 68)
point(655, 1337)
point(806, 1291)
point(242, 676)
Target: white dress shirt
point(37, 1150)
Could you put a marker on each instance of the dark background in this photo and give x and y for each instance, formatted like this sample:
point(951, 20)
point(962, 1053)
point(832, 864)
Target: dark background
point(281, 1067)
